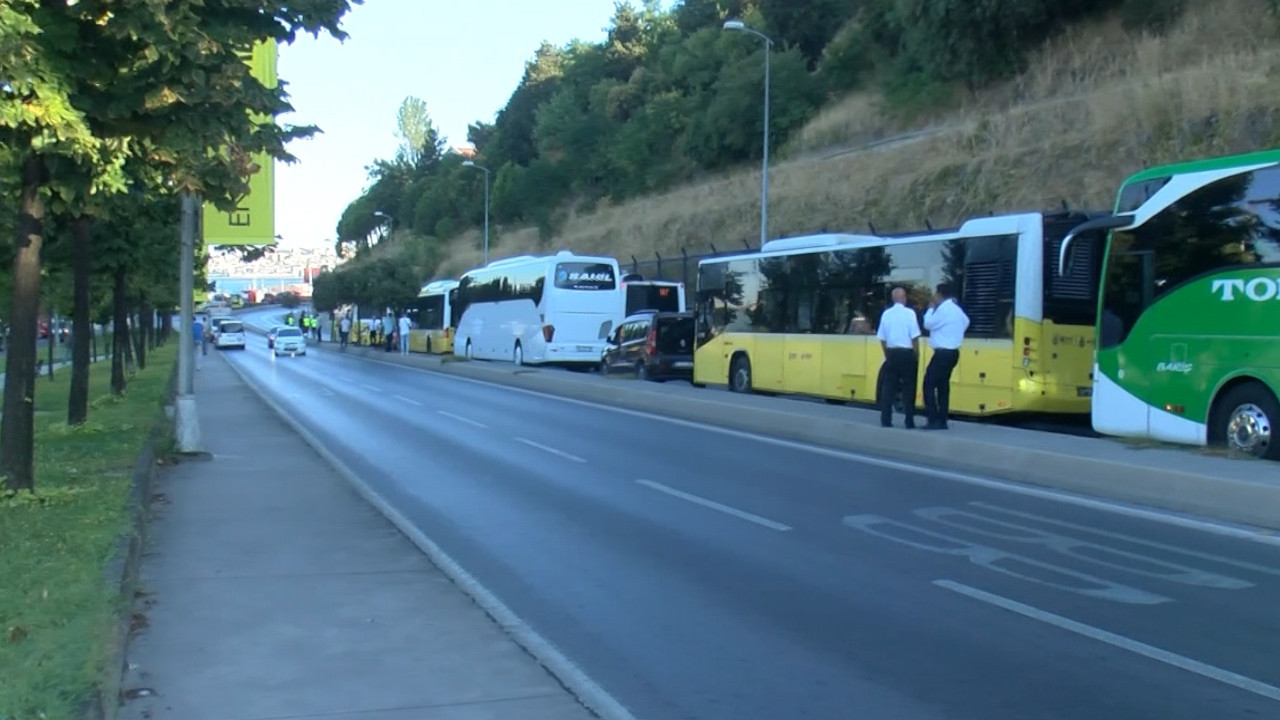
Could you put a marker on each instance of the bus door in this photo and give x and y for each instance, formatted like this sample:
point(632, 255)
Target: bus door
point(1130, 290)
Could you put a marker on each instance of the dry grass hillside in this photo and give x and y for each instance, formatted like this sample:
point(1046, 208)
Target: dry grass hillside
point(1095, 106)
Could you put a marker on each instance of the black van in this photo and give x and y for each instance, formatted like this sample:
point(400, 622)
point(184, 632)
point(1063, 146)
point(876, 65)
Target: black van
point(654, 345)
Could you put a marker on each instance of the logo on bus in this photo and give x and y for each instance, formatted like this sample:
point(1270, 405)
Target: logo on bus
point(1174, 367)
point(1259, 289)
point(591, 277)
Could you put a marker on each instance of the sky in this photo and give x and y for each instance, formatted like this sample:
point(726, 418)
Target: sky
point(464, 59)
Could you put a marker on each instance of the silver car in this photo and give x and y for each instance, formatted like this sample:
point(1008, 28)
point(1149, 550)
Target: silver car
point(290, 341)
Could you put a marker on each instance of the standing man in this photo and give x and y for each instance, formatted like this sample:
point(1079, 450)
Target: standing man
point(197, 339)
point(344, 330)
point(946, 324)
point(899, 335)
point(405, 327)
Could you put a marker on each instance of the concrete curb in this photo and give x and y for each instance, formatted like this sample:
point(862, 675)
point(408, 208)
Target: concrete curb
point(1226, 499)
point(578, 683)
point(121, 571)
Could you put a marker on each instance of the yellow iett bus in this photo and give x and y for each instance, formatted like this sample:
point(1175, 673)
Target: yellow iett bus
point(800, 315)
point(433, 314)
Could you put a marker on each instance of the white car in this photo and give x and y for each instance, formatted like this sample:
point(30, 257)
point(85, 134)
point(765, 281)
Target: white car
point(290, 341)
point(230, 334)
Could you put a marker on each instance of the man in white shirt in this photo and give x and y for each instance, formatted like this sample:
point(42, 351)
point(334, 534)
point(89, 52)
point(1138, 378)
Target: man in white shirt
point(405, 327)
point(899, 334)
point(946, 324)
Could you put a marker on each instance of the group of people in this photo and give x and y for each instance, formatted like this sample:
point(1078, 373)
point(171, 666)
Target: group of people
point(899, 335)
point(309, 323)
point(383, 332)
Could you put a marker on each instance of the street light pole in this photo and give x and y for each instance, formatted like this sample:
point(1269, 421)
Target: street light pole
point(472, 164)
point(764, 168)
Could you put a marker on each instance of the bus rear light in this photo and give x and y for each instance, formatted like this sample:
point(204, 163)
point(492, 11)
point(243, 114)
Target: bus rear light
point(1026, 341)
point(1026, 352)
point(651, 342)
point(548, 332)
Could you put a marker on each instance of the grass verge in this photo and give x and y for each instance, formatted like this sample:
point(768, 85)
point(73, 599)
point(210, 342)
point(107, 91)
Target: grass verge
point(57, 612)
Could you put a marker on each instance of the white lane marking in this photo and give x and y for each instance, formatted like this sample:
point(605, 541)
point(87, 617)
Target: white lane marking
point(1003, 562)
point(1191, 523)
point(1080, 550)
point(1130, 539)
point(411, 401)
point(370, 387)
point(1179, 661)
point(548, 448)
point(741, 514)
point(459, 418)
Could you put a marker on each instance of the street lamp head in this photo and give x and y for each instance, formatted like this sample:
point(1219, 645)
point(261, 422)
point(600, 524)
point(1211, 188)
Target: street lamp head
point(734, 25)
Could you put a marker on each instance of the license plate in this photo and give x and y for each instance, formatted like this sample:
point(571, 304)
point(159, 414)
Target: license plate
point(682, 364)
point(584, 348)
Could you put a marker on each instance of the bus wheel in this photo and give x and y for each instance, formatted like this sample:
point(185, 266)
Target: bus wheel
point(1245, 417)
point(517, 355)
point(428, 345)
point(740, 374)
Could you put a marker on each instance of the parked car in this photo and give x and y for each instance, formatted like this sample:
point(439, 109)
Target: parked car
point(230, 334)
point(653, 345)
point(290, 341)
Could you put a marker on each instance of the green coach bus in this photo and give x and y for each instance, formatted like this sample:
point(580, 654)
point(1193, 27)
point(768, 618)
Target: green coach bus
point(1188, 325)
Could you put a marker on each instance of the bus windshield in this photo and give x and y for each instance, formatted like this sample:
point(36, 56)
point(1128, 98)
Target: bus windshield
point(645, 296)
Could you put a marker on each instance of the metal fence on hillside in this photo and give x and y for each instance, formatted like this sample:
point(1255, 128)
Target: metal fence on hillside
point(676, 268)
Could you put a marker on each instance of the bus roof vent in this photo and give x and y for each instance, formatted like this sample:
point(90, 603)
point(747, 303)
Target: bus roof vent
point(511, 260)
point(814, 241)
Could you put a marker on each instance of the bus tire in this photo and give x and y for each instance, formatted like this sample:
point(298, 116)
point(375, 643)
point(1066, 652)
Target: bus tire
point(740, 374)
point(428, 344)
point(1244, 419)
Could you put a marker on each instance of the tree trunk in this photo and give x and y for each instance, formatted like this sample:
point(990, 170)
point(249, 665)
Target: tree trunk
point(17, 429)
point(140, 339)
point(119, 330)
point(81, 327)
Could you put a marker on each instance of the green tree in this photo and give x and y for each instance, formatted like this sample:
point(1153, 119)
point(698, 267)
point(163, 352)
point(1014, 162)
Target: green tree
point(164, 82)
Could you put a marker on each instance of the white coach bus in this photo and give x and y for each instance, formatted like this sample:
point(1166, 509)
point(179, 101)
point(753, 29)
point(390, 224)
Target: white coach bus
point(534, 310)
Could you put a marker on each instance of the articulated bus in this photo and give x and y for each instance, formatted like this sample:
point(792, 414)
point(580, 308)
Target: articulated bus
point(433, 313)
point(533, 310)
point(800, 315)
point(1188, 341)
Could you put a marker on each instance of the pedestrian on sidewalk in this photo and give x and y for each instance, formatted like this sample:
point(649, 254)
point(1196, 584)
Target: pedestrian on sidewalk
point(946, 323)
point(405, 327)
point(198, 339)
point(899, 335)
point(344, 330)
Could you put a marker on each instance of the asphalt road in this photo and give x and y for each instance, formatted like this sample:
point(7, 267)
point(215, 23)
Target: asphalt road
point(699, 574)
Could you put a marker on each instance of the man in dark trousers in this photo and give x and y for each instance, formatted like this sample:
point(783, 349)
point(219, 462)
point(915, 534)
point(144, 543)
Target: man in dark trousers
point(946, 324)
point(899, 335)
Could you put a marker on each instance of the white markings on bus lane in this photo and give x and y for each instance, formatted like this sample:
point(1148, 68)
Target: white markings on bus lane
point(549, 449)
point(1006, 563)
point(712, 504)
point(1081, 550)
point(1119, 641)
point(1241, 564)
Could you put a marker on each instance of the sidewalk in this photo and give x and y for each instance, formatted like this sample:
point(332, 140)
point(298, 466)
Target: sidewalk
point(273, 590)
